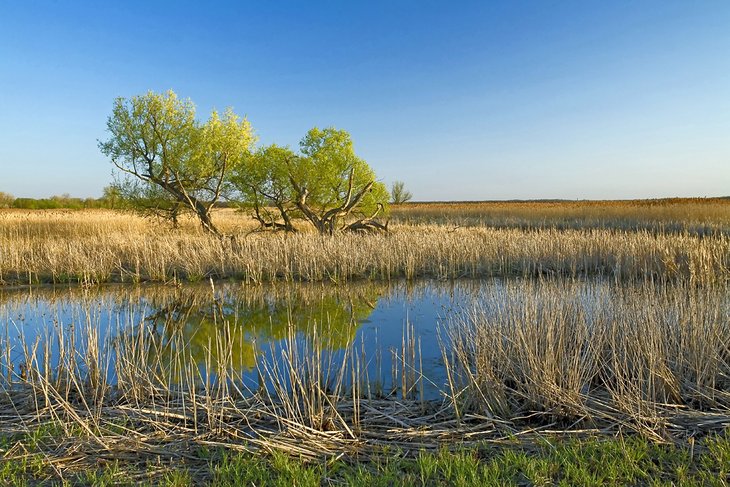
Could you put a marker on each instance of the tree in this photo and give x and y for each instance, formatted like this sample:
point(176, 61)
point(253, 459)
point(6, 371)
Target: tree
point(326, 184)
point(399, 194)
point(158, 143)
point(6, 200)
point(332, 183)
point(263, 182)
point(111, 197)
point(148, 200)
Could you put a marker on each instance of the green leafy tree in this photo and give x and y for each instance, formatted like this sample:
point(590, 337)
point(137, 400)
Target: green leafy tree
point(156, 141)
point(399, 194)
point(326, 183)
point(148, 200)
point(263, 182)
point(111, 197)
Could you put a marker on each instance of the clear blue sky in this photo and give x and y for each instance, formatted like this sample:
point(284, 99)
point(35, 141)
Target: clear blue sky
point(461, 100)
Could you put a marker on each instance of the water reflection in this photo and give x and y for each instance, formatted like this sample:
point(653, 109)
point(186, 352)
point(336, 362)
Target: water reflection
point(237, 324)
point(205, 331)
point(252, 319)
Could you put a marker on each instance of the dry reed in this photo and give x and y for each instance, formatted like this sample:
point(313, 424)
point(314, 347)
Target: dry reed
point(102, 246)
point(120, 401)
point(645, 350)
point(697, 216)
point(652, 358)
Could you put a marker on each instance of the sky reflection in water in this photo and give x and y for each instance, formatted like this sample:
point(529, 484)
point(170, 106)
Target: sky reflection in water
point(370, 316)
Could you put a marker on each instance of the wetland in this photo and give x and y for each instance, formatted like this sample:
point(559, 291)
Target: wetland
point(176, 353)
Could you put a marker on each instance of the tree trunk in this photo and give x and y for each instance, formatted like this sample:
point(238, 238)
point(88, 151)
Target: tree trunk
point(201, 210)
point(287, 226)
point(205, 218)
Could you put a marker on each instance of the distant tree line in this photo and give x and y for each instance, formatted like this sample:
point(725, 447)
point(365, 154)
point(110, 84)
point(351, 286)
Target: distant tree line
point(64, 201)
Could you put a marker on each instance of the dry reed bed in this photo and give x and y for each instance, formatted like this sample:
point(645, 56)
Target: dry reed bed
point(654, 358)
point(94, 247)
point(699, 216)
point(305, 404)
point(542, 357)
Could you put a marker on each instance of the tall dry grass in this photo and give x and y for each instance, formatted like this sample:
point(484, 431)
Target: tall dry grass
point(697, 216)
point(115, 393)
point(103, 246)
point(646, 349)
point(646, 357)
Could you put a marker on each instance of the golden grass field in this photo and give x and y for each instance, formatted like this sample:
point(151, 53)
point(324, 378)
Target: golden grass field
point(697, 215)
point(687, 239)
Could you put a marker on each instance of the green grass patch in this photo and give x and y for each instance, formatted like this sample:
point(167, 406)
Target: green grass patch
point(571, 461)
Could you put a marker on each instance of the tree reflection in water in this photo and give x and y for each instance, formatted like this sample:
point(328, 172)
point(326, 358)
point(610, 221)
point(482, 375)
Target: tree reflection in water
point(232, 328)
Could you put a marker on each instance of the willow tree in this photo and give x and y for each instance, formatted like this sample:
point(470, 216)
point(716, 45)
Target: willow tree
point(156, 140)
point(148, 200)
point(263, 182)
point(326, 184)
point(333, 185)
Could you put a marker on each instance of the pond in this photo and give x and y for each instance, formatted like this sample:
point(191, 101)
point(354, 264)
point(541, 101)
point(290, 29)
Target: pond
point(380, 322)
point(392, 337)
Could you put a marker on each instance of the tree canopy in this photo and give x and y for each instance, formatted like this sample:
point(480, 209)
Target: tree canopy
point(264, 185)
point(156, 141)
point(170, 162)
point(326, 184)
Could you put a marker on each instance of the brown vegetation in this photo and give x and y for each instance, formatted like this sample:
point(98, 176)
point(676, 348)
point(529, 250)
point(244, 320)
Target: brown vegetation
point(101, 246)
point(677, 215)
point(643, 348)
point(648, 357)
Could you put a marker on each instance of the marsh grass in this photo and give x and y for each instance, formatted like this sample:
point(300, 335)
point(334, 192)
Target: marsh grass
point(652, 358)
point(696, 216)
point(308, 400)
point(645, 352)
point(92, 247)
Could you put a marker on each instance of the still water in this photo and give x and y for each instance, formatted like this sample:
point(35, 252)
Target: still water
point(386, 334)
point(381, 322)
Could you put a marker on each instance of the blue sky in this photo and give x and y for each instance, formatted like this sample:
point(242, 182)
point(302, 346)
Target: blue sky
point(462, 101)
